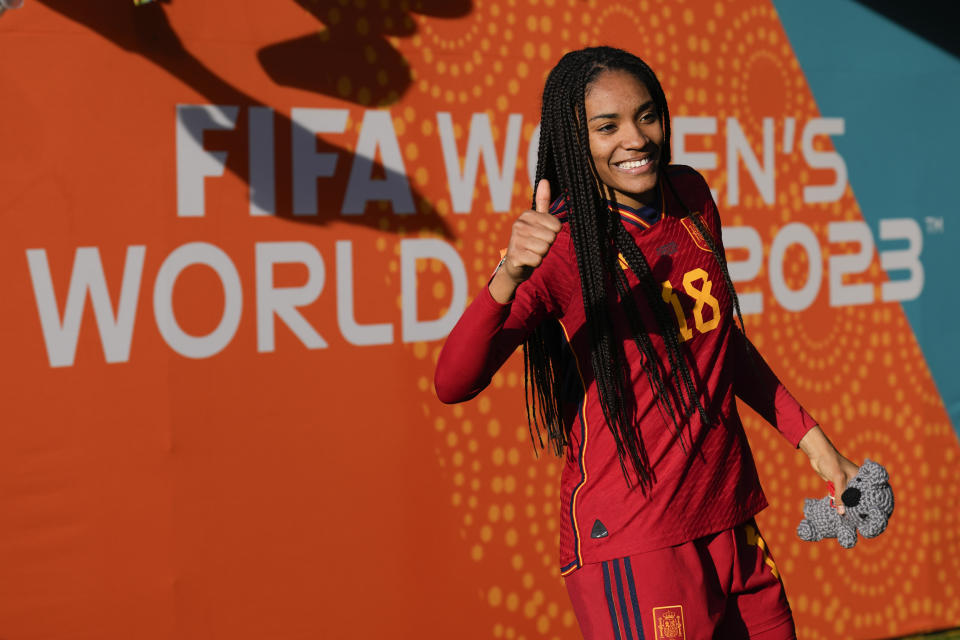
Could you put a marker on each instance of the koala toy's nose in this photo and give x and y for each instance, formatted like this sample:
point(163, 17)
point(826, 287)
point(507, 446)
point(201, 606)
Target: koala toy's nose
point(851, 497)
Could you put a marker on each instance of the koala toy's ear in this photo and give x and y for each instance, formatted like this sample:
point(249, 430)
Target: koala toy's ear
point(875, 471)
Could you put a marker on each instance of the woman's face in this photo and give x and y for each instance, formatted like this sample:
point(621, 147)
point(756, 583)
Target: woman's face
point(625, 136)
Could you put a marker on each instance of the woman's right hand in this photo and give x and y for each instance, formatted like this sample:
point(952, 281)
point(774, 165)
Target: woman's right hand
point(533, 234)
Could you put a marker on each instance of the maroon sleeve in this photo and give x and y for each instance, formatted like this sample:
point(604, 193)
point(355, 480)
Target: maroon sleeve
point(489, 332)
point(756, 384)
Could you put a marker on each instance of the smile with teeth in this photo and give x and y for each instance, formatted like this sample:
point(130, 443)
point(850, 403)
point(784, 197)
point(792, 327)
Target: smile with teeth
point(634, 164)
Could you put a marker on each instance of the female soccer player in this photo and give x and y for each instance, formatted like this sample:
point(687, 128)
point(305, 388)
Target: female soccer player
point(617, 286)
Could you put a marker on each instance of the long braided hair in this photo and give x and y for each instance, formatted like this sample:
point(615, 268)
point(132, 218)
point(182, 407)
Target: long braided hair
point(599, 238)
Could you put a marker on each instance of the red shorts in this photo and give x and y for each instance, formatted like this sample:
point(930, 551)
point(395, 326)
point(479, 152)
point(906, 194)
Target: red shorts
point(725, 585)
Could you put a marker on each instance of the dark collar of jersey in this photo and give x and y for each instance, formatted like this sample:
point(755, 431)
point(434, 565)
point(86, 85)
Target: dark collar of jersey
point(643, 217)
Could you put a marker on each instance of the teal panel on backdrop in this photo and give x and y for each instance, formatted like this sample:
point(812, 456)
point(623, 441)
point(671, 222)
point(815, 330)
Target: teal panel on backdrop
point(900, 98)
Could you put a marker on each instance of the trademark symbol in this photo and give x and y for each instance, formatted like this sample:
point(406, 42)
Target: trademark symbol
point(934, 224)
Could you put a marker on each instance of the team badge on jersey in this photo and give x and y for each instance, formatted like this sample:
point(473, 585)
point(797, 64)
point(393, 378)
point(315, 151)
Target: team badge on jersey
point(694, 231)
point(668, 623)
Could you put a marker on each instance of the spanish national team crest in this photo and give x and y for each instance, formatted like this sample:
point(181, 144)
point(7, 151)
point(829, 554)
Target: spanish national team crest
point(668, 623)
point(694, 231)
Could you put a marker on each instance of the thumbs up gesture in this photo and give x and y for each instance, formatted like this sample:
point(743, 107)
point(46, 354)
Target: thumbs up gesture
point(532, 235)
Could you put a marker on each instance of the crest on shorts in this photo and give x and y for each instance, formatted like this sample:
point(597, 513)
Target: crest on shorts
point(668, 623)
point(694, 231)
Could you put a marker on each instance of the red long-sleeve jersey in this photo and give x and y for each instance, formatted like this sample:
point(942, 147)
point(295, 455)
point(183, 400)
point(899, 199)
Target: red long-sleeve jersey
point(709, 485)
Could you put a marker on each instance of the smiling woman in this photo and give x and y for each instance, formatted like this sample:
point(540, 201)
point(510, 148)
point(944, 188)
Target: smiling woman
point(617, 285)
point(625, 136)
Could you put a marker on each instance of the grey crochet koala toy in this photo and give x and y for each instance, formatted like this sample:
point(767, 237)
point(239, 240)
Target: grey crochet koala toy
point(869, 504)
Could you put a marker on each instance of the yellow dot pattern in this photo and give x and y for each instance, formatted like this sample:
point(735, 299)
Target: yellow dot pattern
point(857, 369)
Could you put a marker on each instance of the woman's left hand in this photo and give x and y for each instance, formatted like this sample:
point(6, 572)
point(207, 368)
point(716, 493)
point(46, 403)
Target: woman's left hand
point(829, 463)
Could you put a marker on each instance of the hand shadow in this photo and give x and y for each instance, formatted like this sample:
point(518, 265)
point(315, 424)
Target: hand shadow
point(352, 59)
point(146, 31)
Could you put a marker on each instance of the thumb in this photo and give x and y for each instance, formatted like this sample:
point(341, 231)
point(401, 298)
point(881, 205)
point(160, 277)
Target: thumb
point(542, 196)
point(845, 475)
point(839, 481)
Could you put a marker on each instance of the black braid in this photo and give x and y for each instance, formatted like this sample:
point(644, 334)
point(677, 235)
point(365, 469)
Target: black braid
point(541, 385)
point(599, 238)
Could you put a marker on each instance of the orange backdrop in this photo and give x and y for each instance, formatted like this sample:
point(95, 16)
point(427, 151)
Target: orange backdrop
point(243, 441)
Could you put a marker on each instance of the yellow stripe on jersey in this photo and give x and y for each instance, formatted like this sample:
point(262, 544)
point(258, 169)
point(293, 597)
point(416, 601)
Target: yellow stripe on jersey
point(583, 454)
